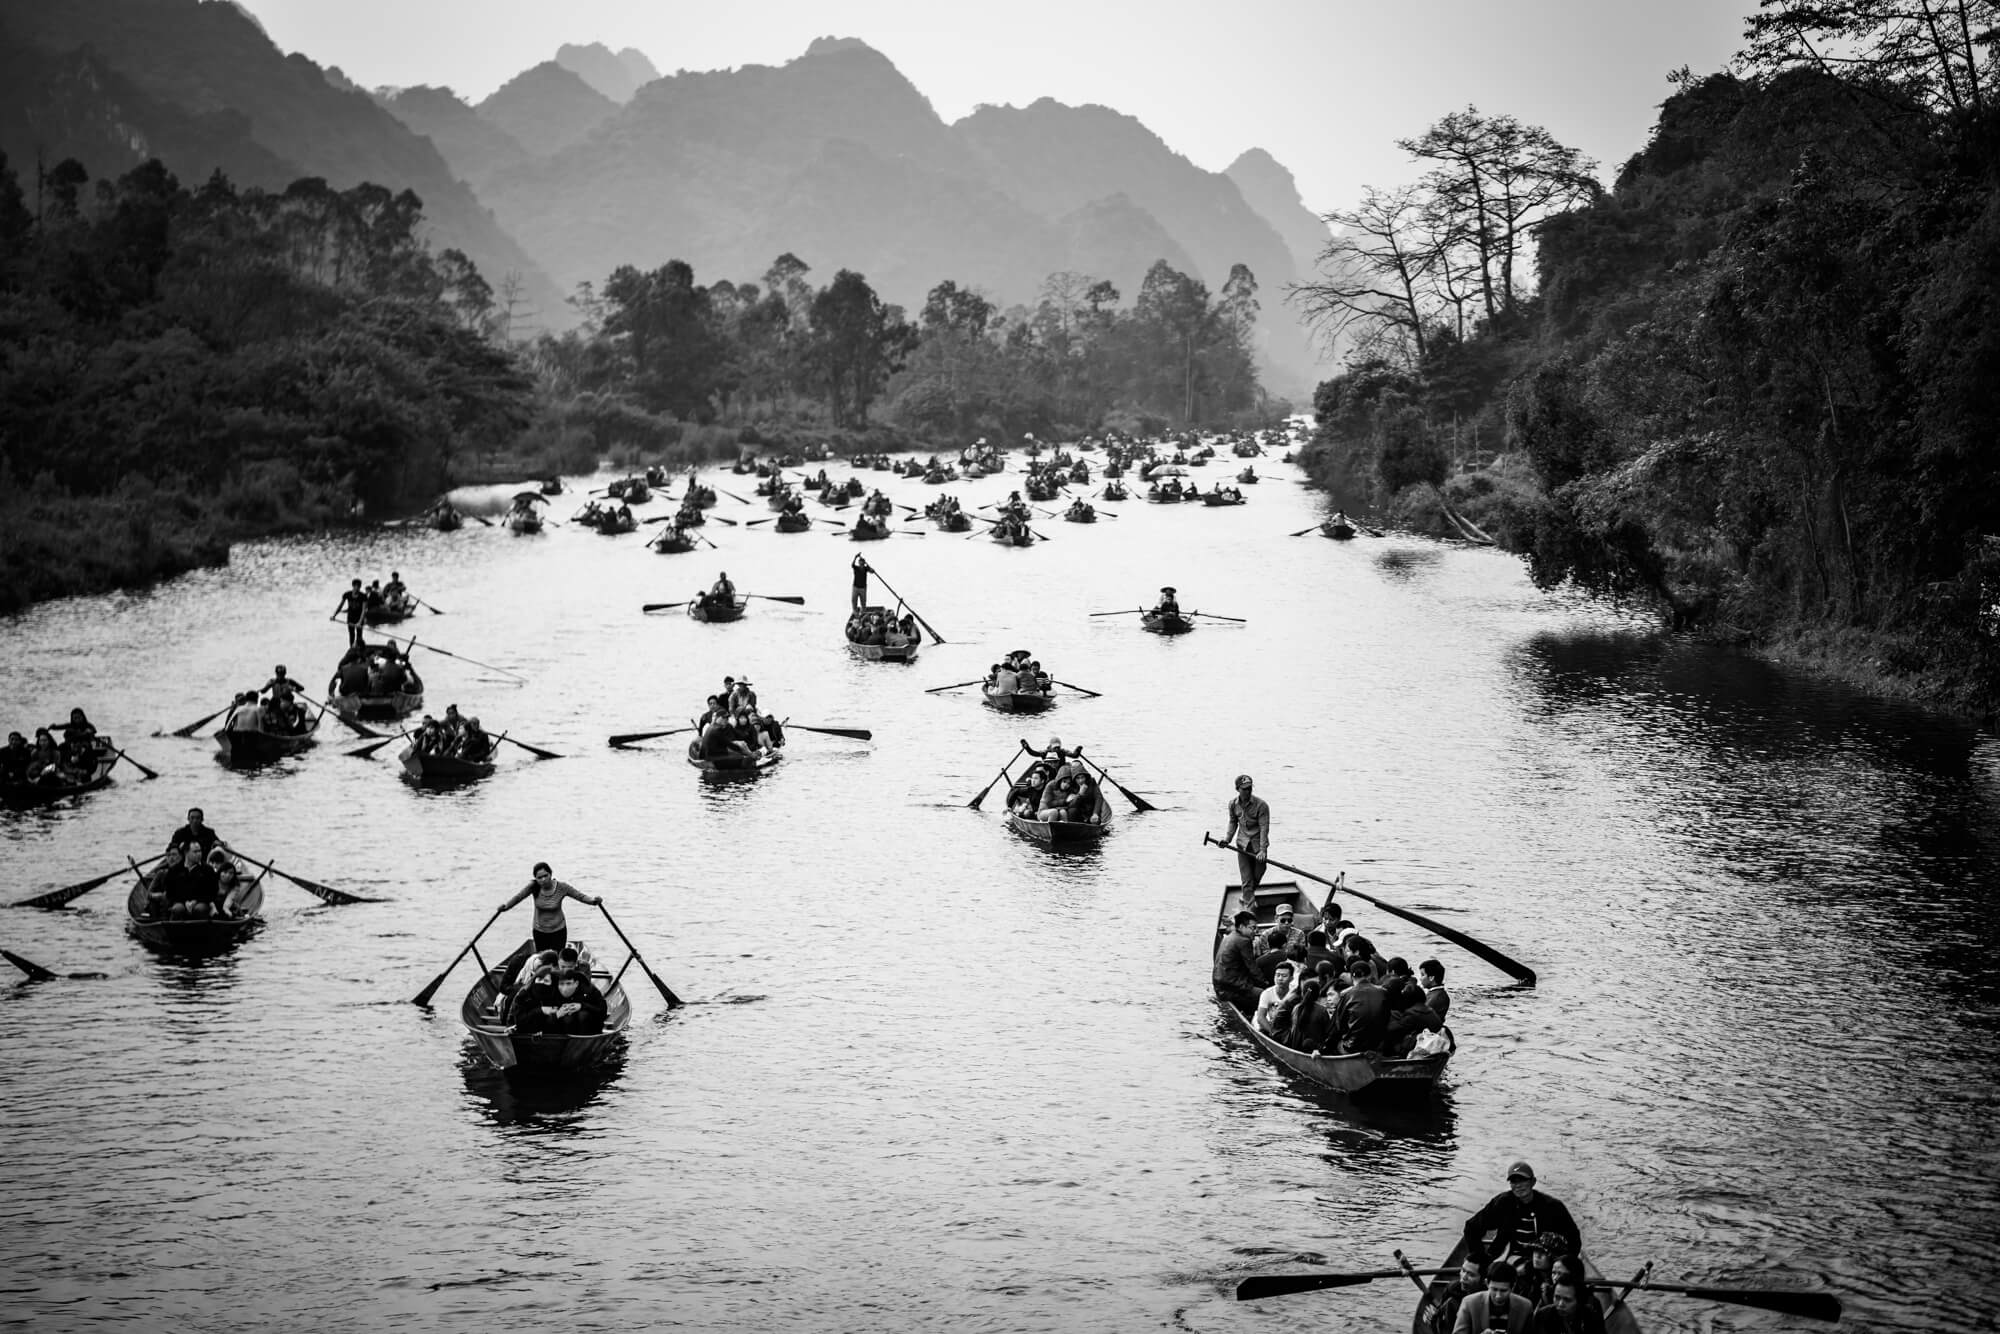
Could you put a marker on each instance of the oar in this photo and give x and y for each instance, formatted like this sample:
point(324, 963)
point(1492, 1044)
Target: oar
point(1513, 968)
point(35, 972)
point(854, 733)
point(936, 638)
point(974, 803)
point(337, 898)
point(535, 751)
point(1136, 611)
point(56, 898)
point(371, 748)
point(427, 607)
point(1094, 694)
point(200, 723)
point(433, 648)
point(1811, 1305)
point(663, 606)
point(1139, 803)
point(778, 597)
point(480, 519)
point(627, 738)
point(423, 998)
point(673, 1001)
point(837, 523)
point(1303, 531)
point(136, 765)
point(733, 496)
point(711, 545)
point(960, 686)
point(343, 719)
point(720, 519)
point(1278, 1285)
point(1213, 617)
point(658, 518)
point(1404, 1260)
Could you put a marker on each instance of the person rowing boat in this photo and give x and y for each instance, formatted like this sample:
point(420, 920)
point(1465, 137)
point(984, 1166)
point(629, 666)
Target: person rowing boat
point(551, 929)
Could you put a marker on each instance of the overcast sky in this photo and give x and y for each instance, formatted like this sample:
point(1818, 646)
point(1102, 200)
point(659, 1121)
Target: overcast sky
point(1326, 86)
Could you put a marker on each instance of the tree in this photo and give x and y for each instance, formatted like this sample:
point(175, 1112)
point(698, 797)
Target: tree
point(1374, 274)
point(1934, 51)
point(668, 326)
point(857, 343)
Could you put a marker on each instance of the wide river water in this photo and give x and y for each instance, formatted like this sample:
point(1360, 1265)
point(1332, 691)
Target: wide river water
point(930, 1073)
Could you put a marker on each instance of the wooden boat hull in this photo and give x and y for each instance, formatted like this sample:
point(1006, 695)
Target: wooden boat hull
point(884, 652)
point(1339, 532)
point(1057, 833)
point(794, 523)
point(1154, 623)
point(26, 796)
point(1213, 501)
point(675, 545)
point(867, 533)
point(1020, 539)
point(441, 769)
point(387, 615)
point(378, 708)
point(198, 935)
point(1356, 1073)
point(524, 523)
point(447, 523)
point(1015, 701)
point(732, 766)
point(1431, 1306)
point(1079, 516)
point(243, 749)
point(718, 612)
point(541, 1052)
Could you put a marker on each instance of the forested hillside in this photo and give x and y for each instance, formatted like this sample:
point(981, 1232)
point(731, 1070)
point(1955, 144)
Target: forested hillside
point(1758, 382)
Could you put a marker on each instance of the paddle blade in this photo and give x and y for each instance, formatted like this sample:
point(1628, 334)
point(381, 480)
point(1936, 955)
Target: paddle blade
point(136, 765)
point(35, 972)
point(423, 998)
point(535, 751)
point(1811, 1305)
point(200, 723)
point(773, 597)
point(661, 606)
point(1279, 1285)
point(56, 898)
point(627, 738)
point(369, 750)
point(855, 733)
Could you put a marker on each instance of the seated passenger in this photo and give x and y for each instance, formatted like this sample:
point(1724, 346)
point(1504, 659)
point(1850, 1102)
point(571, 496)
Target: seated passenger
point(1311, 1028)
point(45, 762)
point(570, 1003)
point(1053, 804)
point(1083, 804)
point(1005, 680)
point(1274, 995)
point(1573, 1308)
point(1496, 1307)
point(245, 715)
point(198, 890)
point(1284, 934)
point(1408, 1016)
point(473, 743)
point(14, 758)
point(1361, 1016)
point(1431, 975)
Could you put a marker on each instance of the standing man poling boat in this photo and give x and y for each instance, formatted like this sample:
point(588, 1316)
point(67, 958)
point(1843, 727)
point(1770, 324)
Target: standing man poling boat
point(551, 928)
point(354, 602)
point(1249, 815)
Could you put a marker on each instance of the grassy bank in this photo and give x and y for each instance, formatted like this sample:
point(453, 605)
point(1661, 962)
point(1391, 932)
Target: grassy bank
point(54, 545)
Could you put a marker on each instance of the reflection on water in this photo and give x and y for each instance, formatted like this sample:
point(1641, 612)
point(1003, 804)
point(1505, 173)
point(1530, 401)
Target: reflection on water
point(981, 1082)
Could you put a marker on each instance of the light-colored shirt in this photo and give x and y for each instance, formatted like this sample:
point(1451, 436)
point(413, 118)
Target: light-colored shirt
point(1251, 817)
point(548, 903)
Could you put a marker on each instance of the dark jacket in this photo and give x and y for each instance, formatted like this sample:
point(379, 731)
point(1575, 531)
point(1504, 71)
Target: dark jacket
point(1475, 1318)
point(1588, 1320)
point(1518, 1224)
point(1362, 1017)
point(1312, 1028)
point(205, 838)
point(1235, 965)
point(1406, 1023)
point(530, 1006)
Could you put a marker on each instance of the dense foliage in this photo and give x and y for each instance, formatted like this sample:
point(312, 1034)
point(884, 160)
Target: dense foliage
point(1757, 384)
point(656, 351)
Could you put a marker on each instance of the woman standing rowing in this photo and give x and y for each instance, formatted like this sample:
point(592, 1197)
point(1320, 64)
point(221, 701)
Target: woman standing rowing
point(551, 929)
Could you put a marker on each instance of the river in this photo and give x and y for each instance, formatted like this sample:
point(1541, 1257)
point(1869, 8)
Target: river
point(929, 1072)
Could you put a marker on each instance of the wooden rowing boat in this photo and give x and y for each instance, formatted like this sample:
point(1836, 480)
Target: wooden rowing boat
point(793, 521)
point(1017, 701)
point(1017, 537)
point(1432, 1309)
point(441, 769)
point(1063, 833)
point(903, 652)
point(507, 1050)
point(1169, 623)
point(1337, 529)
point(243, 749)
point(719, 610)
point(731, 766)
point(1380, 1076)
point(25, 796)
point(1218, 500)
point(377, 708)
point(673, 542)
point(524, 521)
point(389, 613)
point(192, 935)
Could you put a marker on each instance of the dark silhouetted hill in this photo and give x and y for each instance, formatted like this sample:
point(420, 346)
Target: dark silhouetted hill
point(473, 146)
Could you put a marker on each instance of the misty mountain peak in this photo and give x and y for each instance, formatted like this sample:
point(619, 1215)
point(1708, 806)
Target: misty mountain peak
point(617, 75)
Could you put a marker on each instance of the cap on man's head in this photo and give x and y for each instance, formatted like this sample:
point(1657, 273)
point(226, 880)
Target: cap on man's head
point(1521, 1172)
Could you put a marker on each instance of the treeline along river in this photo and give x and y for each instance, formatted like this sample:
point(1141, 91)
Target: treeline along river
point(931, 1072)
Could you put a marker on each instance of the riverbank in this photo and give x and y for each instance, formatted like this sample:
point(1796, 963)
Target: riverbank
point(1499, 499)
point(57, 545)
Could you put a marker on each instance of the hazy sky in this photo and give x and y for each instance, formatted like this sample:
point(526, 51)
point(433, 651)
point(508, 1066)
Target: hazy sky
point(1326, 86)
